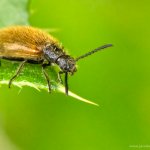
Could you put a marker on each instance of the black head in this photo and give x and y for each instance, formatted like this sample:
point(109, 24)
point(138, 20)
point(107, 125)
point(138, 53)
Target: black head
point(67, 64)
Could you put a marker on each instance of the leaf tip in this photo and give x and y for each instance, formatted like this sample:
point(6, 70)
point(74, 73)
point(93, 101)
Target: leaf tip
point(62, 89)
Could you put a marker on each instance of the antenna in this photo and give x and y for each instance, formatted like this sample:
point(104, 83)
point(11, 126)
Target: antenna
point(93, 51)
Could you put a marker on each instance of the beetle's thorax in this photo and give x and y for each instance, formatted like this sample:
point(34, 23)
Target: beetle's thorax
point(51, 53)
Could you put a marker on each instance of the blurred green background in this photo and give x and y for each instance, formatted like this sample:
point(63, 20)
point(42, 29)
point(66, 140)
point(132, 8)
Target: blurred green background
point(118, 79)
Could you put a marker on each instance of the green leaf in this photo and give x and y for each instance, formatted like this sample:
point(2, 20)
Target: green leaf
point(32, 76)
point(15, 13)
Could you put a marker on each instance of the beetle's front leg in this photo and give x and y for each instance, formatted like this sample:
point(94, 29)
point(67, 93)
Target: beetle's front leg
point(59, 77)
point(66, 80)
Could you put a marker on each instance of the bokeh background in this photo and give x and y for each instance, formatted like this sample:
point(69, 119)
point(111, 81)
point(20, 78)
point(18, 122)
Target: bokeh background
point(118, 79)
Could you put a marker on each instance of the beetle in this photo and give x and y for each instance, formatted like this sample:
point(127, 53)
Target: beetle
point(32, 45)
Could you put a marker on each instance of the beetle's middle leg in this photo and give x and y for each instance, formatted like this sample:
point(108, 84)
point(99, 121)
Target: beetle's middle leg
point(59, 77)
point(17, 72)
point(46, 75)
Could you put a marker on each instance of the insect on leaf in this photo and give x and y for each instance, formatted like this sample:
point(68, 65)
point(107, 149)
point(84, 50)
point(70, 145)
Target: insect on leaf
point(31, 75)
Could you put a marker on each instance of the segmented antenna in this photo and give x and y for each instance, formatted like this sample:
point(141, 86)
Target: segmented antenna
point(93, 51)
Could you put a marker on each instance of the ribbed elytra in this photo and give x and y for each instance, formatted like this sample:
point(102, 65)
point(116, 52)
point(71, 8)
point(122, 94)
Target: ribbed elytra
point(31, 45)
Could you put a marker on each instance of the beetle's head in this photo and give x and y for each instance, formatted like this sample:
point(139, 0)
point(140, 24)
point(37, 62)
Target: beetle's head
point(67, 64)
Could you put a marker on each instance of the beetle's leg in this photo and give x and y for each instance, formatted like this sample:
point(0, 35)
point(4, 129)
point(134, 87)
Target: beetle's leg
point(59, 77)
point(46, 76)
point(66, 80)
point(17, 72)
